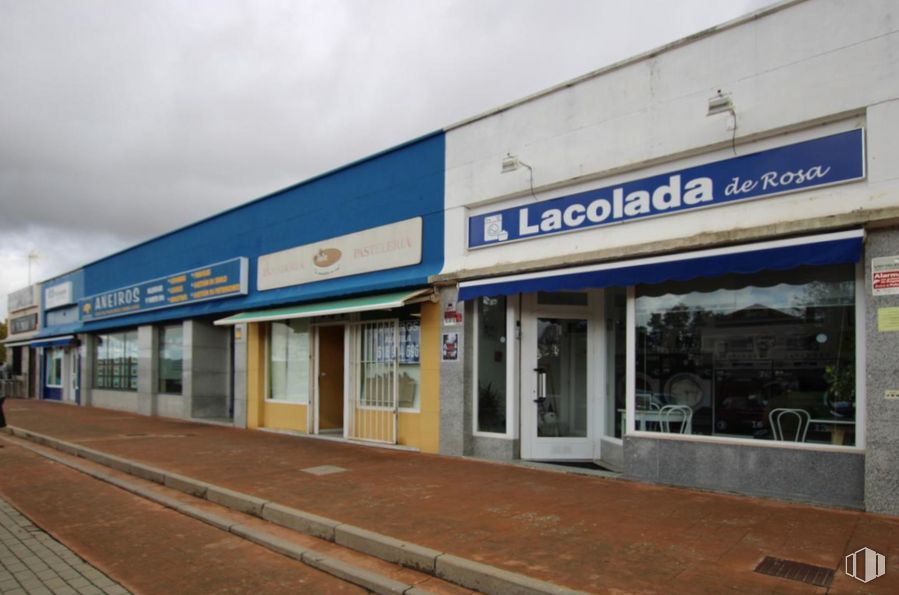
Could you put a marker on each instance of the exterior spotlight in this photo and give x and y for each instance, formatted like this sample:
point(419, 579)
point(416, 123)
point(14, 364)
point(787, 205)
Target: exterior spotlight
point(510, 163)
point(720, 103)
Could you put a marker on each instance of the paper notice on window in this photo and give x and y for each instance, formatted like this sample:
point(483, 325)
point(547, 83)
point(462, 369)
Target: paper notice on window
point(885, 275)
point(888, 320)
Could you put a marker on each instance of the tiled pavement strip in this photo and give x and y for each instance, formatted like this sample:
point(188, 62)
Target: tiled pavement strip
point(33, 563)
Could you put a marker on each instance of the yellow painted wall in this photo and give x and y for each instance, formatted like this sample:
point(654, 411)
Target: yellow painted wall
point(419, 430)
point(422, 430)
point(255, 373)
point(285, 416)
point(262, 413)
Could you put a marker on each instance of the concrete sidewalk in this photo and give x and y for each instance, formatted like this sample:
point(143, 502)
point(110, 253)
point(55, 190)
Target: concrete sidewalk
point(33, 563)
point(581, 532)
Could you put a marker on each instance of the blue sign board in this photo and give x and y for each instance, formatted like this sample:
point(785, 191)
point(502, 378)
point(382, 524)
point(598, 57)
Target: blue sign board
point(819, 162)
point(212, 282)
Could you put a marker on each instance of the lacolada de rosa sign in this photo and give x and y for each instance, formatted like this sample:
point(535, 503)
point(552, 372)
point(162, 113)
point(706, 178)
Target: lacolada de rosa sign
point(211, 282)
point(819, 162)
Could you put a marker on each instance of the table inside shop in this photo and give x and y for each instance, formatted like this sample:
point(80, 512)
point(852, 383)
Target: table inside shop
point(838, 432)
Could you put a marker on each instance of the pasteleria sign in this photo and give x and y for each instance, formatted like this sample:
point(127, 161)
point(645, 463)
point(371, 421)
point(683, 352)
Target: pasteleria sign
point(819, 162)
point(376, 249)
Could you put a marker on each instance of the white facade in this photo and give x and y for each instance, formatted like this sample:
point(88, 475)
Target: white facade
point(793, 72)
point(833, 67)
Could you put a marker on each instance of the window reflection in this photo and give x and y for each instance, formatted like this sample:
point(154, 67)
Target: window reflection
point(764, 356)
point(491, 337)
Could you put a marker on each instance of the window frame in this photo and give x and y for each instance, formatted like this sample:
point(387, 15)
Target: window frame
point(53, 352)
point(513, 327)
point(160, 343)
point(97, 340)
point(860, 393)
point(268, 364)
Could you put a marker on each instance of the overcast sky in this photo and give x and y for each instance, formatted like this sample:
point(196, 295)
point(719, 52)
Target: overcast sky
point(124, 119)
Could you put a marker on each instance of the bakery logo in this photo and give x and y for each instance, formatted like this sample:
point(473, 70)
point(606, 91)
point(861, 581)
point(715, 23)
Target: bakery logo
point(865, 565)
point(326, 260)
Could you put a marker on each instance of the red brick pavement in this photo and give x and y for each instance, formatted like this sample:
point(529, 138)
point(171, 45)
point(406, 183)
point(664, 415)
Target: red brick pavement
point(584, 532)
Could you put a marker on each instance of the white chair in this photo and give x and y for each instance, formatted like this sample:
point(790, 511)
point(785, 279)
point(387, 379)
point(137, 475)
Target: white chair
point(676, 413)
point(776, 418)
point(645, 406)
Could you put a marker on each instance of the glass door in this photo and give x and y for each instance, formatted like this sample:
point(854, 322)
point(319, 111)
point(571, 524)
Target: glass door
point(559, 372)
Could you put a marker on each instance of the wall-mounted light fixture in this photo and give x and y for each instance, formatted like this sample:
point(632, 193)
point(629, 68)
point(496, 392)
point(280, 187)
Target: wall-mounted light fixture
point(512, 163)
point(720, 103)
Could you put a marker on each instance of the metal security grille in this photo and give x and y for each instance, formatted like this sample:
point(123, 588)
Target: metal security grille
point(373, 381)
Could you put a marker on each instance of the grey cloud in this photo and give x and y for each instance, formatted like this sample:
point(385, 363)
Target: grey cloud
point(123, 120)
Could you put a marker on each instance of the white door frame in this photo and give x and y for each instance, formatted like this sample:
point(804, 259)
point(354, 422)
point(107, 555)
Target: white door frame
point(547, 448)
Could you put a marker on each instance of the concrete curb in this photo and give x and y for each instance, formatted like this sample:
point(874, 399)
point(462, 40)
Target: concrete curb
point(454, 569)
point(387, 548)
point(366, 579)
point(298, 520)
point(235, 500)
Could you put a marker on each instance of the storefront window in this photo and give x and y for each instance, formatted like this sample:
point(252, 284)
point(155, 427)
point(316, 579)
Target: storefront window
point(171, 357)
point(491, 365)
point(288, 362)
point(54, 367)
point(382, 349)
point(115, 361)
point(769, 356)
point(409, 372)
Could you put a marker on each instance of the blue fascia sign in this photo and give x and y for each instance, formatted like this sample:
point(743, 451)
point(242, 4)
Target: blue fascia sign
point(819, 162)
point(211, 282)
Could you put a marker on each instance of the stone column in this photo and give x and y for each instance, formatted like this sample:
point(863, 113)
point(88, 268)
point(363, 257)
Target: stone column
point(455, 409)
point(881, 376)
point(207, 374)
point(239, 372)
point(147, 338)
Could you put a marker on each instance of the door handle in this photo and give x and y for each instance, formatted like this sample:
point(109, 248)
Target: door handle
point(541, 385)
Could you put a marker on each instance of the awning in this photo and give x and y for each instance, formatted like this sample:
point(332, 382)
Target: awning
point(832, 248)
point(382, 301)
point(54, 341)
point(15, 343)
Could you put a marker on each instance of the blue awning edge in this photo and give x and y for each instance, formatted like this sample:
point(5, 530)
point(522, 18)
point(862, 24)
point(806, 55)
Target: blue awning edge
point(55, 341)
point(833, 248)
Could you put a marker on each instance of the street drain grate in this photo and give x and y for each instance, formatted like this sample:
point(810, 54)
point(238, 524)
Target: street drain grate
point(796, 571)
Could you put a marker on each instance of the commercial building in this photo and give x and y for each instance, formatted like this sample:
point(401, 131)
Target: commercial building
point(308, 310)
point(23, 321)
point(683, 266)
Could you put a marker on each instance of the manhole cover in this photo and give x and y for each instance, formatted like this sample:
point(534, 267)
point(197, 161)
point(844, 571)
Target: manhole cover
point(323, 470)
point(796, 571)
